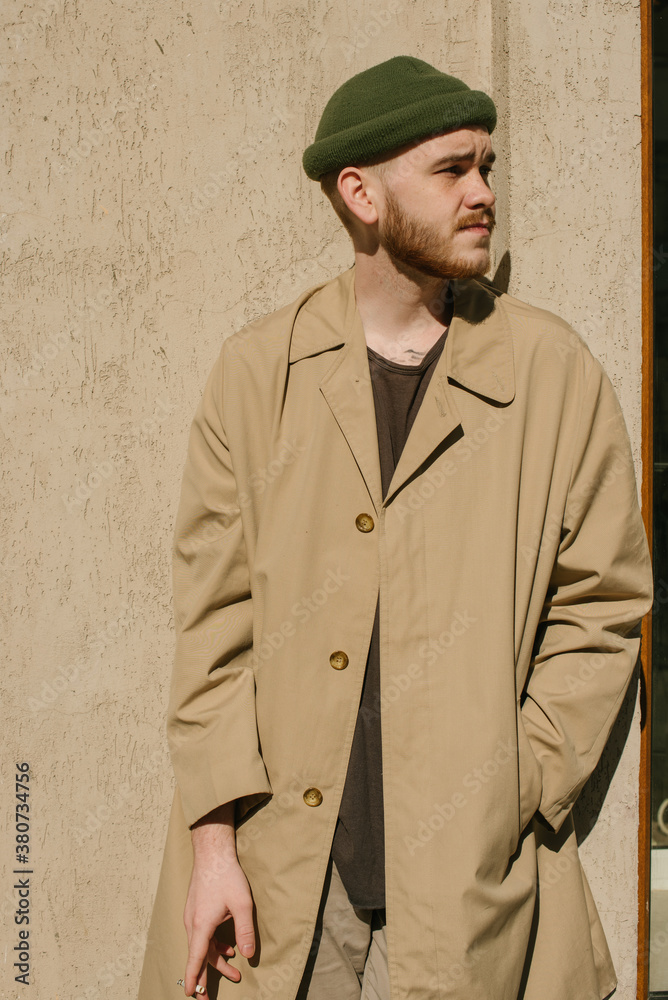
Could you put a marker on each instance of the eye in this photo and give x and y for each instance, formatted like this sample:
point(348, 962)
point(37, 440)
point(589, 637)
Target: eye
point(456, 168)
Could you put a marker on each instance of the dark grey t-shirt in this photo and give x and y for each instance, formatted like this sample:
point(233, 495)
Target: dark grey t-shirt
point(358, 848)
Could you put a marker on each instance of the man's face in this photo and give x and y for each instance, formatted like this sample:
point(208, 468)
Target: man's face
point(438, 210)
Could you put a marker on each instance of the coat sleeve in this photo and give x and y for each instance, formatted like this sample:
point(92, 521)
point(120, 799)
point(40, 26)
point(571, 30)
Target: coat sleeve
point(588, 638)
point(211, 721)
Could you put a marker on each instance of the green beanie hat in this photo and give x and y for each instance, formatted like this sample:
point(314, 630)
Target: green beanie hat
point(399, 101)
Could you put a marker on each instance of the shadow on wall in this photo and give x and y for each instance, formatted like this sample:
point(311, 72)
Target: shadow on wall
point(501, 279)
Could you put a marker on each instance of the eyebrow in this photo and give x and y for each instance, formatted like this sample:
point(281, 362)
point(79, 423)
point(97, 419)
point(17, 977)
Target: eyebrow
point(467, 154)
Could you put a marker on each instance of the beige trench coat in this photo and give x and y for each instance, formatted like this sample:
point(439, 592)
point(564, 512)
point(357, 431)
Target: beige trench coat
point(513, 569)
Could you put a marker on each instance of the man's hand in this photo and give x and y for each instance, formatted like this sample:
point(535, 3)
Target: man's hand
point(218, 890)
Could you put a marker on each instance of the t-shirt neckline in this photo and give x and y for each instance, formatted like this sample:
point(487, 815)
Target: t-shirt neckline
point(409, 369)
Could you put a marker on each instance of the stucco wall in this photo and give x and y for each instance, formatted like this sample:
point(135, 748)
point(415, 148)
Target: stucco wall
point(154, 202)
point(575, 203)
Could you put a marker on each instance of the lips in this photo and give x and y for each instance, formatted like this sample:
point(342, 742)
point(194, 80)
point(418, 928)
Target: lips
point(478, 227)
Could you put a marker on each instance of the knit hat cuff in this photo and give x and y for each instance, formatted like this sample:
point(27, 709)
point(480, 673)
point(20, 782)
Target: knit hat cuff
point(396, 128)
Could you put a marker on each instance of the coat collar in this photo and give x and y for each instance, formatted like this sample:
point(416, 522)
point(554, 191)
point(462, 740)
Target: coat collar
point(478, 357)
point(478, 348)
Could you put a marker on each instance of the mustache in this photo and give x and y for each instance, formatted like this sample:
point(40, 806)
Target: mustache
point(477, 220)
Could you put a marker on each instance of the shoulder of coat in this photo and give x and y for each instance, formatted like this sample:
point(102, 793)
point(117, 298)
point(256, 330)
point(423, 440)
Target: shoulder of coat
point(535, 319)
point(271, 334)
point(265, 332)
point(541, 327)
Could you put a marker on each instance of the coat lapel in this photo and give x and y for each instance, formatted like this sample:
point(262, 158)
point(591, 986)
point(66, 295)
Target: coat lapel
point(477, 356)
point(347, 388)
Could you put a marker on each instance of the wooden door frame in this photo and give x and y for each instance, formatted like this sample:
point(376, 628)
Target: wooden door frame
point(647, 453)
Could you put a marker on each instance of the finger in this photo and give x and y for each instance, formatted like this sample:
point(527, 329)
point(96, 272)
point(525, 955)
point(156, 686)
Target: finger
point(223, 948)
point(201, 979)
point(197, 954)
point(244, 931)
point(225, 969)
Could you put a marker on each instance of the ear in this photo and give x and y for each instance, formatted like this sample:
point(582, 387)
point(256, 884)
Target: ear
point(361, 192)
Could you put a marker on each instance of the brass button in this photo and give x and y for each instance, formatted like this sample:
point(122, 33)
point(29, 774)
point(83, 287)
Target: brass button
point(312, 796)
point(364, 522)
point(339, 660)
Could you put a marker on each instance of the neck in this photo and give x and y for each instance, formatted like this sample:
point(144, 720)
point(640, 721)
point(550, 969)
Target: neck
point(399, 306)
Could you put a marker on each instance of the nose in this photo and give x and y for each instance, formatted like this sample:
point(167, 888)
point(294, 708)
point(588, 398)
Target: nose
point(479, 193)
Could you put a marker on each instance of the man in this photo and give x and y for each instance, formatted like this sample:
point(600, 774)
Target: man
point(409, 572)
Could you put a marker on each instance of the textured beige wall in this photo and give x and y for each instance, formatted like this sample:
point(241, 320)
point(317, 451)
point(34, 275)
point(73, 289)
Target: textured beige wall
point(575, 201)
point(153, 201)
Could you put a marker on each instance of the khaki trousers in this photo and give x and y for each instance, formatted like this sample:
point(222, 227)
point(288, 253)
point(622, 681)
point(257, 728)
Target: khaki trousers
point(348, 957)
